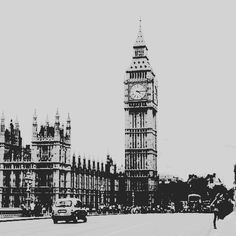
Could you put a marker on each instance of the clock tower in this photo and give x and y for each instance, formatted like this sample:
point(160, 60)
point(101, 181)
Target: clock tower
point(140, 104)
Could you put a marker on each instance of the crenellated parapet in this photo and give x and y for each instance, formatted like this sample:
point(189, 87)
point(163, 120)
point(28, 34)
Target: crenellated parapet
point(56, 132)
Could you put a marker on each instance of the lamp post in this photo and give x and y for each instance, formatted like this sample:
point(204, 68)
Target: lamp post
point(102, 194)
point(28, 181)
point(133, 198)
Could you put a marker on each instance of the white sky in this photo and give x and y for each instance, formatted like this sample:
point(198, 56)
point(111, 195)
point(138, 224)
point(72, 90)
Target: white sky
point(73, 55)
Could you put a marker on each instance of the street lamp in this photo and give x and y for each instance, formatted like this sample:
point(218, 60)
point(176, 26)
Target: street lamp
point(102, 194)
point(28, 180)
point(133, 198)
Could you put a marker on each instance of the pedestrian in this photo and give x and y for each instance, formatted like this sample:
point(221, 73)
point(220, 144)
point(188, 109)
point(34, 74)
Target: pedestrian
point(32, 206)
point(216, 207)
point(24, 210)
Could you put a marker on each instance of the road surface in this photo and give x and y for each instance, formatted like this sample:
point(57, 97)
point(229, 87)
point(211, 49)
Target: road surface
point(114, 225)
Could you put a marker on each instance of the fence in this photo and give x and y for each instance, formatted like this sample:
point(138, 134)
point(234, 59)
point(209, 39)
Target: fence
point(10, 212)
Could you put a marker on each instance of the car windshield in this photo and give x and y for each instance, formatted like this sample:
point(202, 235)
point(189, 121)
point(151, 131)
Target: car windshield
point(63, 203)
point(194, 198)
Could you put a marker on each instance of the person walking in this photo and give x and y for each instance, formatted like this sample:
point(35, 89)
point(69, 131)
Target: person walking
point(222, 205)
point(216, 207)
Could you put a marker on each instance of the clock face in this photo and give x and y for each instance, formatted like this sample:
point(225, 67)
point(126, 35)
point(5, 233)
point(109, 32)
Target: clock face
point(137, 91)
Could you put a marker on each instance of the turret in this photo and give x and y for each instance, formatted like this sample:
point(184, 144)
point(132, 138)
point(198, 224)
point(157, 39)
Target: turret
point(94, 165)
point(34, 126)
point(2, 129)
point(79, 162)
point(17, 132)
point(68, 128)
point(17, 125)
point(12, 132)
point(84, 163)
point(57, 127)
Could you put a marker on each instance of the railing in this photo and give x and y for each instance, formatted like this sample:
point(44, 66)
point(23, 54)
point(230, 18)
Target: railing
point(10, 212)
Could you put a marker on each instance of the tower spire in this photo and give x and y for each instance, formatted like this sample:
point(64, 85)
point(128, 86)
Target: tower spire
point(140, 24)
point(140, 39)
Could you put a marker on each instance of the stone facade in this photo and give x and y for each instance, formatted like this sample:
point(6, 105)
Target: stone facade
point(51, 160)
point(14, 162)
point(54, 172)
point(140, 104)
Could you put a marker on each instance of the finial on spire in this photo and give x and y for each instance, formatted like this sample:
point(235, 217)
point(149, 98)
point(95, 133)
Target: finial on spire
point(140, 24)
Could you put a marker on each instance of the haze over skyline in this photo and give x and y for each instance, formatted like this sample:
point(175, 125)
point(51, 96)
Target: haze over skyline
point(73, 56)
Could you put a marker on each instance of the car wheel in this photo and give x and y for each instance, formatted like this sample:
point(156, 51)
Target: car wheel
point(54, 221)
point(75, 219)
point(85, 219)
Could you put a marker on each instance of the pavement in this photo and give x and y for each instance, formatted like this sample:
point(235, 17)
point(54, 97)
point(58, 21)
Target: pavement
point(9, 219)
point(226, 227)
point(179, 224)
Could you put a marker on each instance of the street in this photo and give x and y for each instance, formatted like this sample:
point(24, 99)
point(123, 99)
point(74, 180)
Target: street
point(114, 225)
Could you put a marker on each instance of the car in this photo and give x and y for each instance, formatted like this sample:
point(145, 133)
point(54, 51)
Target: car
point(68, 209)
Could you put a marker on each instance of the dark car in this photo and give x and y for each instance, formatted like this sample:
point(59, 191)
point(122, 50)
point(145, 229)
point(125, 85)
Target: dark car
point(68, 209)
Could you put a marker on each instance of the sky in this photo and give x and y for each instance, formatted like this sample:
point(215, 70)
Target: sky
point(72, 55)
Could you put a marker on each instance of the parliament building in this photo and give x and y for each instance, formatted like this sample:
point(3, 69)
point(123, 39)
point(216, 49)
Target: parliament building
point(54, 172)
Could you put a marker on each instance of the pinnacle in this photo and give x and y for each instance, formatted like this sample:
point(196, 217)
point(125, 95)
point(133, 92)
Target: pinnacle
point(68, 118)
point(16, 120)
point(57, 116)
point(140, 39)
point(47, 121)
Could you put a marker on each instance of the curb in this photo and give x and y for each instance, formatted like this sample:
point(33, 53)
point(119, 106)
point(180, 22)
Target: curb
point(24, 218)
point(41, 217)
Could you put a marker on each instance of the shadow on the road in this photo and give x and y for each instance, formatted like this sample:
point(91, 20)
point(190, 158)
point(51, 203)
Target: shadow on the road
point(73, 223)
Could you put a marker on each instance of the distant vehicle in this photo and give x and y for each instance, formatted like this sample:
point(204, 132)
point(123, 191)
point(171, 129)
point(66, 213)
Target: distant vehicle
point(68, 209)
point(194, 202)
